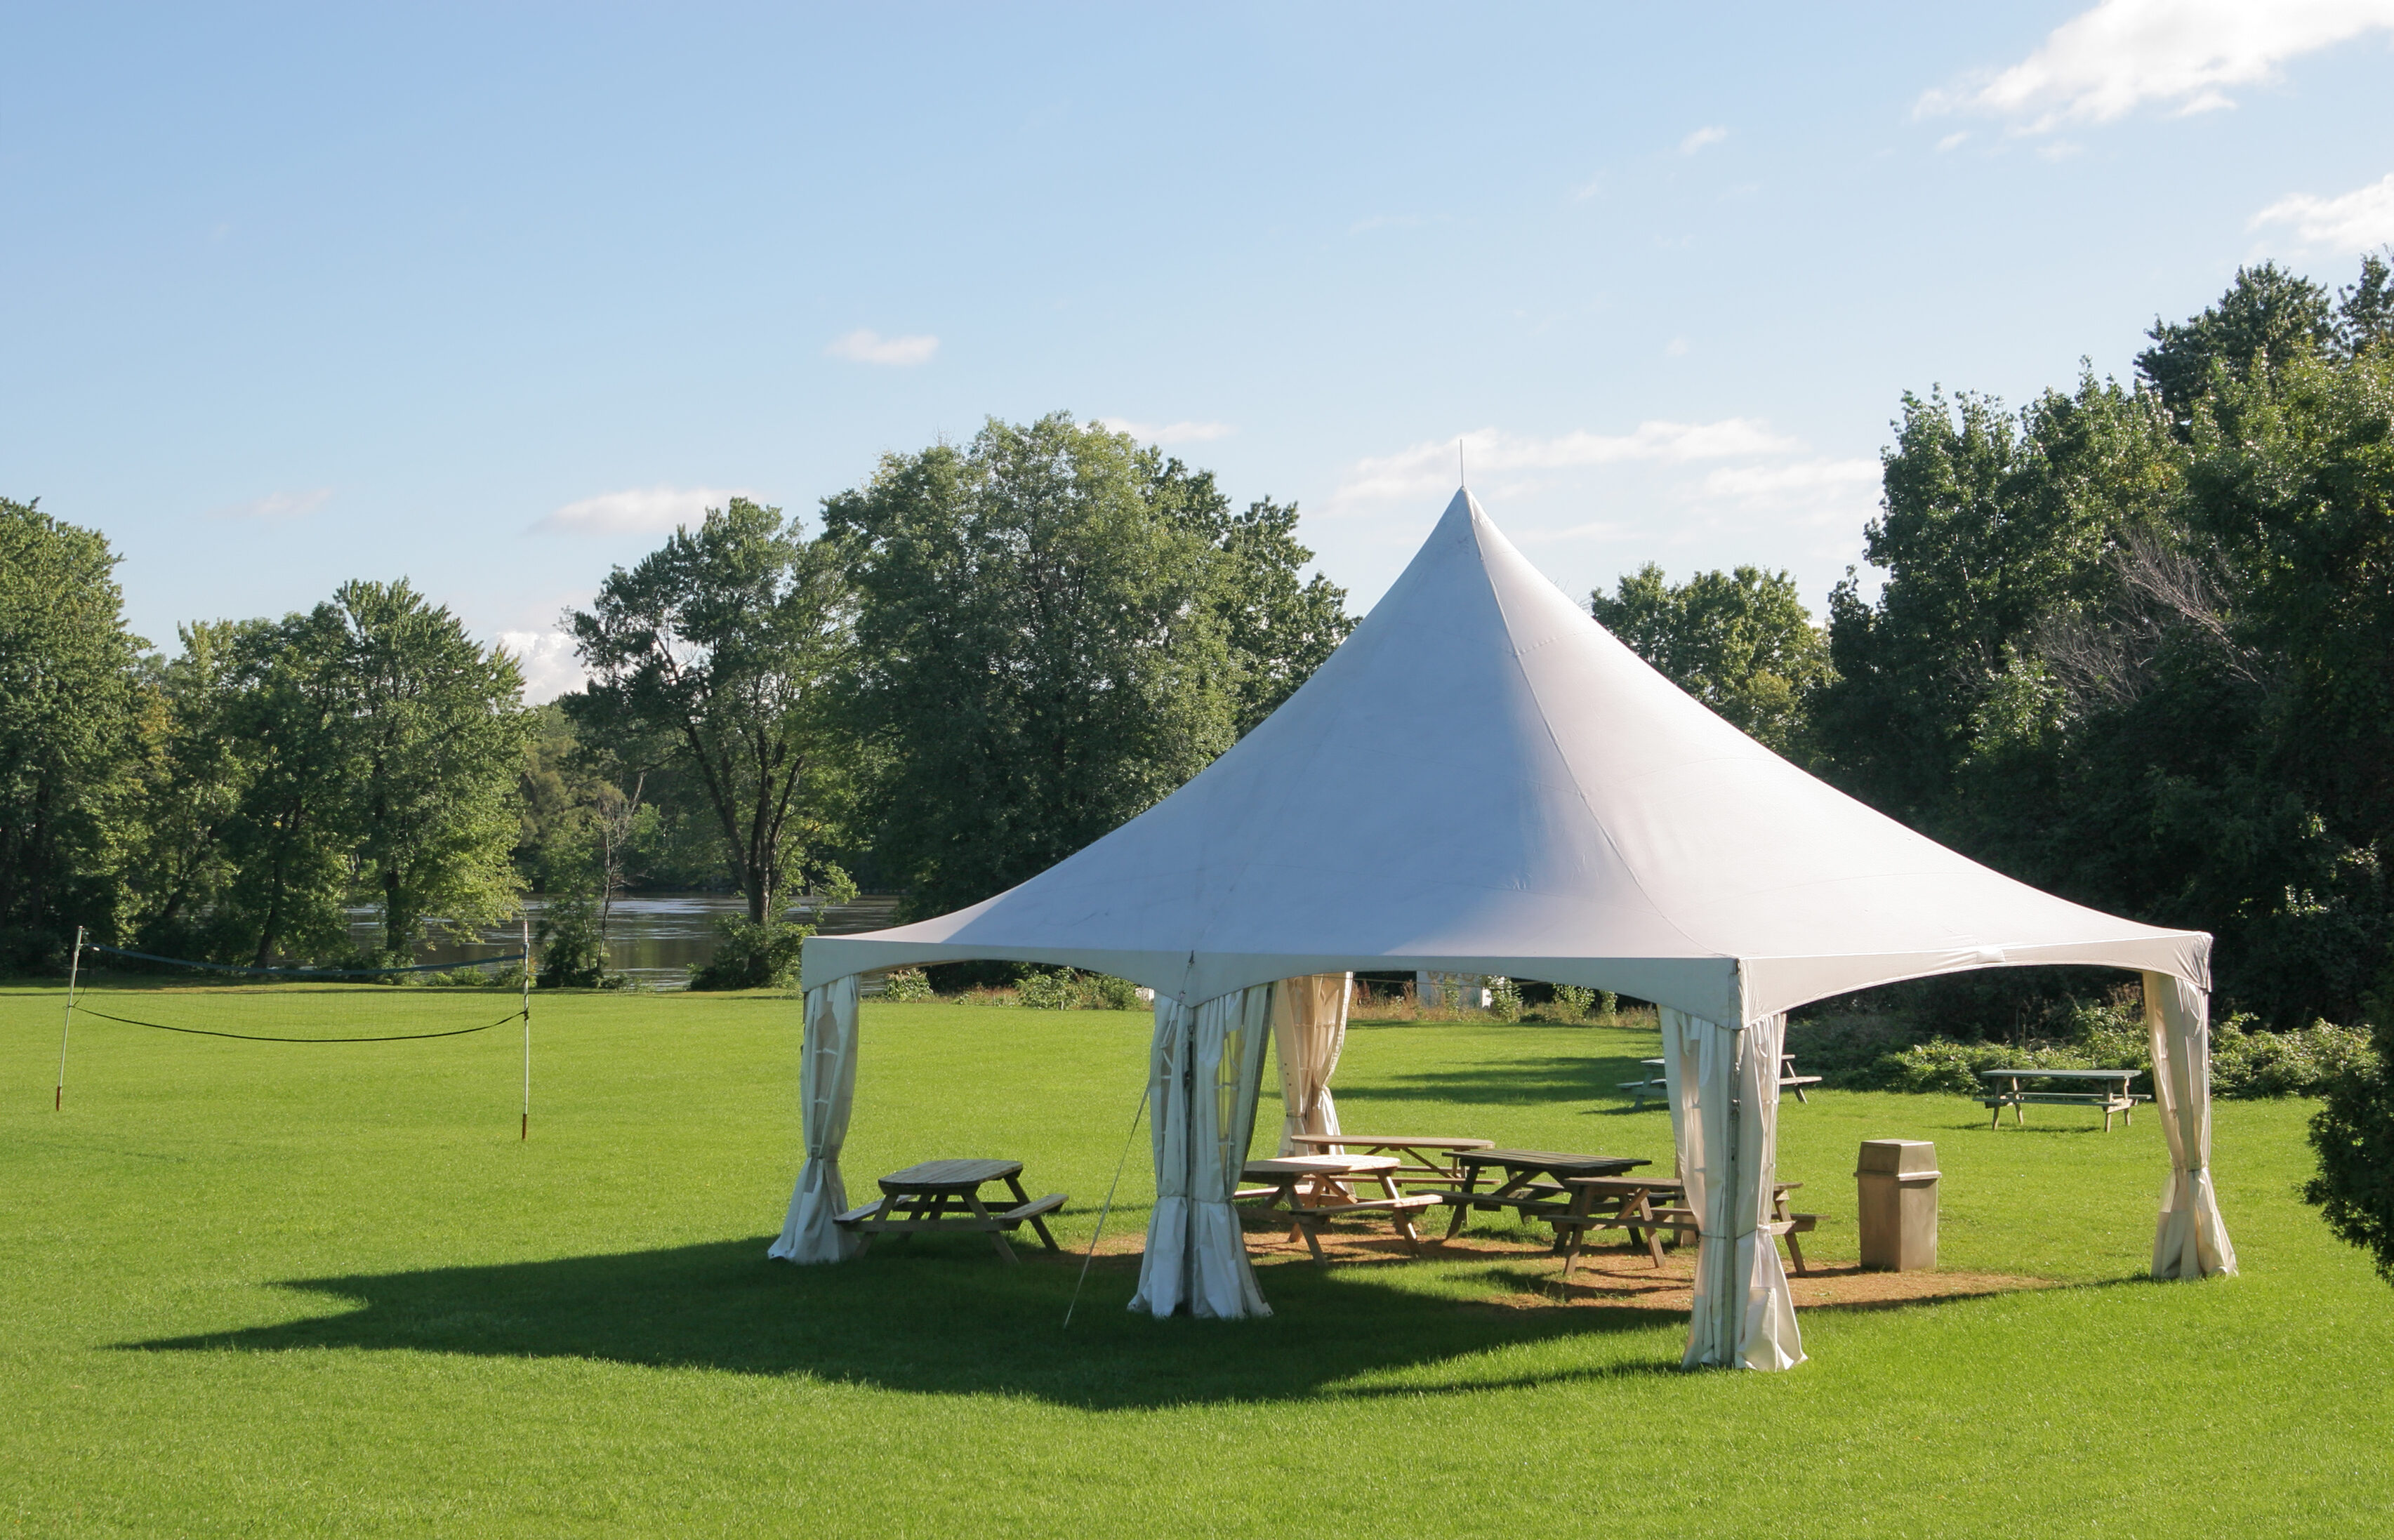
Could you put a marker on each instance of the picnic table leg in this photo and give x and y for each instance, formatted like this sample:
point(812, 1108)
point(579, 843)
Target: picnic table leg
point(1653, 1237)
point(1463, 1208)
point(2020, 1108)
point(996, 1236)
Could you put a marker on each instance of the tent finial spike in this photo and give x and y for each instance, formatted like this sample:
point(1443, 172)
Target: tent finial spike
point(1460, 479)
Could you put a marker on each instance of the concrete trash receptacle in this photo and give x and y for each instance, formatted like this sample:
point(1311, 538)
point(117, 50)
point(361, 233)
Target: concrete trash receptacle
point(1897, 1178)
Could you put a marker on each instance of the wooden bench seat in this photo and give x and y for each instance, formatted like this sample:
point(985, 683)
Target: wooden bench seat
point(2103, 1102)
point(1683, 1223)
point(1400, 1212)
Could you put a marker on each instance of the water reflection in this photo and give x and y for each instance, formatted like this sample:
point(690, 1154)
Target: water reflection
point(655, 938)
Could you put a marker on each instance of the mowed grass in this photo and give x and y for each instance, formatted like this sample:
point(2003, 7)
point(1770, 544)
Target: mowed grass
point(259, 1289)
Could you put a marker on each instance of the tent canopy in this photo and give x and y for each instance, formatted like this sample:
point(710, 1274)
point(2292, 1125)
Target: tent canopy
point(1482, 780)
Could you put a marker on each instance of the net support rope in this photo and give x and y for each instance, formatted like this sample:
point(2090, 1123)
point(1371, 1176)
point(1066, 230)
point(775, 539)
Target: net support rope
point(522, 1012)
point(518, 1014)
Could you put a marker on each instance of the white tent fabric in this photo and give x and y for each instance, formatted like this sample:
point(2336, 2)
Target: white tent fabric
point(1308, 1024)
point(1578, 819)
point(2192, 1242)
point(827, 1092)
point(1724, 1090)
point(1203, 1071)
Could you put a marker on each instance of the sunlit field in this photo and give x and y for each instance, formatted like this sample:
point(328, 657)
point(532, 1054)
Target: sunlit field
point(260, 1289)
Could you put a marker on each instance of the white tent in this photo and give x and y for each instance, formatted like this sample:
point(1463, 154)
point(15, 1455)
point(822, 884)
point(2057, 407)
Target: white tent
point(1559, 812)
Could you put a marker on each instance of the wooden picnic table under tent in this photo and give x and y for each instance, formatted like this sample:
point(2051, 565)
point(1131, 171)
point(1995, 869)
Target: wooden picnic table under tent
point(1580, 820)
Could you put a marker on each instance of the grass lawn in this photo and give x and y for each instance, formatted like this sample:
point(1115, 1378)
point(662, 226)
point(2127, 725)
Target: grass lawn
point(252, 1288)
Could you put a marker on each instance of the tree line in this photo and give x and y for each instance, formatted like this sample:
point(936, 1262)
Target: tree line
point(2134, 644)
point(980, 659)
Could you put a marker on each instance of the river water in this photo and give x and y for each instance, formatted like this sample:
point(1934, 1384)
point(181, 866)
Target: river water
point(655, 938)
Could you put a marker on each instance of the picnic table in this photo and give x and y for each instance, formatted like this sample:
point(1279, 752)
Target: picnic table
point(1423, 1157)
point(946, 1196)
point(1629, 1203)
point(2110, 1093)
point(1530, 1181)
point(1315, 1189)
point(1656, 1086)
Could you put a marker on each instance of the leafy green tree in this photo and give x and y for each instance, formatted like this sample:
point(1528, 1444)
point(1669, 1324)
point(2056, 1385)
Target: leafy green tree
point(195, 769)
point(70, 729)
point(1279, 625)
point(1044, 645)
point(288, 843)
point(1741, 642)
point(1991, 526)
point(2268, 318)
point(727, 644)
point(437, 730)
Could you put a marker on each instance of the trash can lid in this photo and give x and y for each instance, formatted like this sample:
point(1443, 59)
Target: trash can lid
point(1898, 1157)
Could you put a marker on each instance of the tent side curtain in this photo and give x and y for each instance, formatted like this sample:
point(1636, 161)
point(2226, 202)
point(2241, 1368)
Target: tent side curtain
point(1309, 1024)
point(1723, 1084)
point(1204, 1069)
point(827, 1092)
point(2191, 1241)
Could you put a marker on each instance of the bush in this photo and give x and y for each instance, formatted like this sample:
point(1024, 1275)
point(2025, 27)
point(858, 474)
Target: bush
point(1065, 989)
point(570, 947)
point(1504, 999)
point(753, 956)
point(2246, 1063)
point(907, 984)
point(2354, 1138)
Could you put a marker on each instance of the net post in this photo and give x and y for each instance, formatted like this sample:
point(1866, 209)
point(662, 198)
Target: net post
point(524, 1134)
point(74, 966)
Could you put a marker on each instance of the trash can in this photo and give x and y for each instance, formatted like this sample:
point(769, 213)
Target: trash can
point(1897, 1178)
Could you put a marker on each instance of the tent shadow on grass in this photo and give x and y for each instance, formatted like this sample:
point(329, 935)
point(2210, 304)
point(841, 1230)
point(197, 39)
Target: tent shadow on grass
point(945, 1317)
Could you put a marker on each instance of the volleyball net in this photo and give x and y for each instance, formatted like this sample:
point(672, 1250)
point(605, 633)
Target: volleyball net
point(422, 1002)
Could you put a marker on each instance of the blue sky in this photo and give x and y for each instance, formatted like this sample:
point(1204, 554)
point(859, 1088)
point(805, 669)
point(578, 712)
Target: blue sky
point(488, 296)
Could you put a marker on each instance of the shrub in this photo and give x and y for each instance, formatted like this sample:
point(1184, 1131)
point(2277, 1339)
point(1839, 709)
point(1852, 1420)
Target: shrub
point(907, 984)
point(570, 946)
point(753, 956)
point(1504, 999)
point(1065, 989)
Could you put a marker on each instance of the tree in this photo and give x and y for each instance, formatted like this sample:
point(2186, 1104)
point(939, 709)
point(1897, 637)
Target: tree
point(69, 708)
point(1741, 642)
point(289, 843)
point(2268, 317)
point(1279, 626)
point(1045, 649)
point(437, 729)
point(727, 644)
point(2140, 653)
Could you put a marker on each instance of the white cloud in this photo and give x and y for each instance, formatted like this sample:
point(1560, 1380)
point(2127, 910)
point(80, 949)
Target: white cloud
point(866, 346)
point(2104, 63)
point(641, 510)
point(1676, 348)
point(1169, 433)
point(1427, 469)
point(275, 506)
point(1952, 141)
point(1702, 137)
point(2360, 219)
point(1802, 479)
point(550, 669)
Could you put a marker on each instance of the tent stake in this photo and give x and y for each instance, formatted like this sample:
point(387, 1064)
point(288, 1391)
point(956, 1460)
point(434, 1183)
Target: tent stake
point(1107, 1207)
